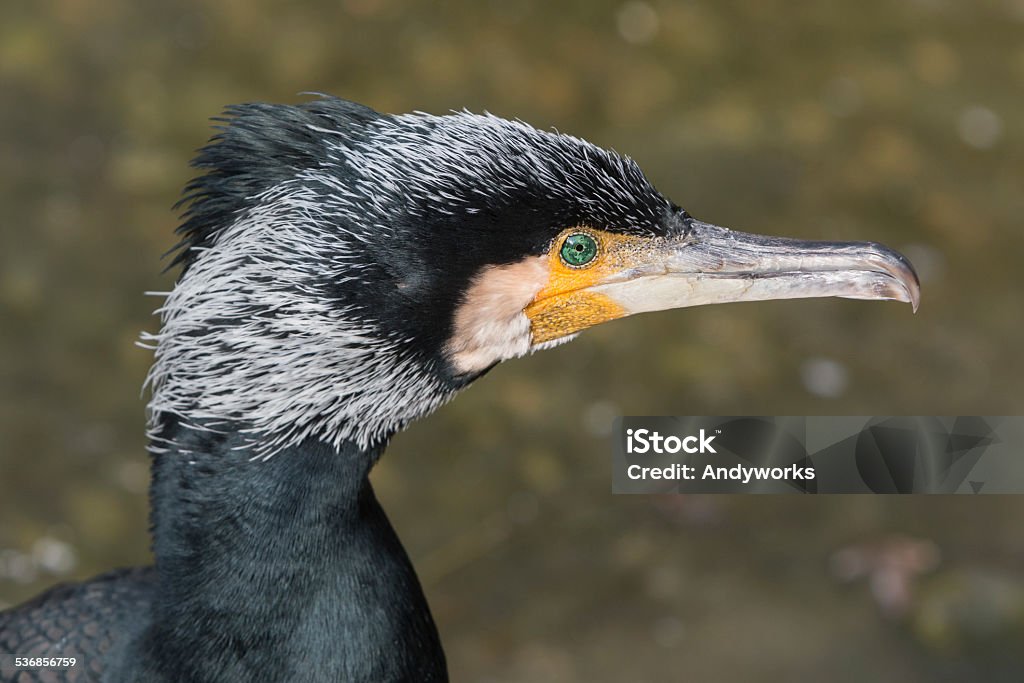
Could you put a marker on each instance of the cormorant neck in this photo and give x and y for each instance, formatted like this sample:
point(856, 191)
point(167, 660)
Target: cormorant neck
point(287, 567)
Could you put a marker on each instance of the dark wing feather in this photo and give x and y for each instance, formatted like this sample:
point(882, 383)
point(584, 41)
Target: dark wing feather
point(83, 620)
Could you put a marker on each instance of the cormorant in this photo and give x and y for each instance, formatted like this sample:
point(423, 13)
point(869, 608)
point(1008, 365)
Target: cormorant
point(344, 272)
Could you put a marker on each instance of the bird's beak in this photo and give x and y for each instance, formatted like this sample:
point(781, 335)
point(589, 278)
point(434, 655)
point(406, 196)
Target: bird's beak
point(713, 265)
point(707, 264)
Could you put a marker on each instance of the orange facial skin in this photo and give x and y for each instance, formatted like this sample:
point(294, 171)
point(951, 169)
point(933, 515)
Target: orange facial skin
point(566, 305)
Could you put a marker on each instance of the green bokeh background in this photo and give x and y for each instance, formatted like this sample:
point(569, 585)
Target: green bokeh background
point(898, 121)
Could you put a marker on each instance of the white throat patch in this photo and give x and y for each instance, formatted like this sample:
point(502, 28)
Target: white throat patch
point(490, 325)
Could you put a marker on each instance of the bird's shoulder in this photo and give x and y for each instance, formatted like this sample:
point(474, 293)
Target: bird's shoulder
point(82, 620)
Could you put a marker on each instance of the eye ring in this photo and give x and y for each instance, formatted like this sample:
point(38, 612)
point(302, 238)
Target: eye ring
point(579, 250)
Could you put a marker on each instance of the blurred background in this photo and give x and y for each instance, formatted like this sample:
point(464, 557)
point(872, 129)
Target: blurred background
point(898, 121)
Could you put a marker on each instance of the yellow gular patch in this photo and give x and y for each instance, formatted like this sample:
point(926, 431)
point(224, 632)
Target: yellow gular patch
point(565, 305)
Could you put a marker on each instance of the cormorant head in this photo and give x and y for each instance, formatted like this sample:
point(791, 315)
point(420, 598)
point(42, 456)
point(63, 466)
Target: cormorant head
point(345, 272)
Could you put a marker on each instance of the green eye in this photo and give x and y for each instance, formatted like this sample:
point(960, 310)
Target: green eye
point(578, 250)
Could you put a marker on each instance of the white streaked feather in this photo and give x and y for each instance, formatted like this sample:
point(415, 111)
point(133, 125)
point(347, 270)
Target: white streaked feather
point(302, 367)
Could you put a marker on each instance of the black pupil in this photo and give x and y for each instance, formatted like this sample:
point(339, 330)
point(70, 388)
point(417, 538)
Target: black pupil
point(579, 247)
